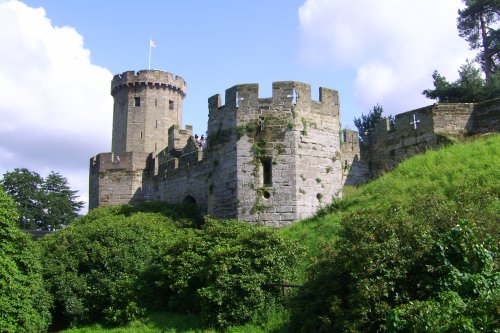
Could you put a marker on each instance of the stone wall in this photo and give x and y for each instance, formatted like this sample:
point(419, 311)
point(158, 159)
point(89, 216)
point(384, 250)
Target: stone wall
point(355, 169)
point(222, 198)
point(486, 117)
point(269, 146)
point(117, 179)
point(453, 118)
point(416, 131)
point(184, 177)
point(265, 165)
point(317, 155)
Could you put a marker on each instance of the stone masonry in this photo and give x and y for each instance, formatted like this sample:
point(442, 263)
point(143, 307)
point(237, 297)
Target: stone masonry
point(268, 160)
point(414, 132)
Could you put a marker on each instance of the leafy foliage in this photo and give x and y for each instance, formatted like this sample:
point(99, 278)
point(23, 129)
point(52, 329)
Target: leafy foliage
point(470, 87)
point(365, 123)
point(24, 187)
point(222, 271)
point(98, 268)
point(464, 287)
point(41, 202)
point(59, 201)
point(478, 24)
point(24, 303)
point(118, 264)
point(402, 258)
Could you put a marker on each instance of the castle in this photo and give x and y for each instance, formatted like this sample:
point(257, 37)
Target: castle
point(267, 160)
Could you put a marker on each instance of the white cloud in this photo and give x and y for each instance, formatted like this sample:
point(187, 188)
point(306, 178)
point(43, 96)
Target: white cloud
point(392, 45)
point(56, 110)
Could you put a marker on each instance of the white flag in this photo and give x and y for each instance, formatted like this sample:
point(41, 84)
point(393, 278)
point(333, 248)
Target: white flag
point(152, 43)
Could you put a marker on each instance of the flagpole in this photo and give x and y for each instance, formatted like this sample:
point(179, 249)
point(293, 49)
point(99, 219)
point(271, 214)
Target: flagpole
point(149, 61)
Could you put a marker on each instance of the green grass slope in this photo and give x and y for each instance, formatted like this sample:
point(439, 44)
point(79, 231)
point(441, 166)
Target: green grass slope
point(462, 178)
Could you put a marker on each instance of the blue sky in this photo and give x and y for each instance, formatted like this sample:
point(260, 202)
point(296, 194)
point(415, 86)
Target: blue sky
point(58, 58)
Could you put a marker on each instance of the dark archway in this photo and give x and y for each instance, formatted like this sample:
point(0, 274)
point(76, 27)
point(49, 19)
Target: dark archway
point(189, 203)
point(189, 200)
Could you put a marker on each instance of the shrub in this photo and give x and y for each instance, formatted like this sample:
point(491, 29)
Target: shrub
point(117, 264)
point(222, 270)
point(99, 268)
point(24, 303)
point(390, 268)
point(463, 287)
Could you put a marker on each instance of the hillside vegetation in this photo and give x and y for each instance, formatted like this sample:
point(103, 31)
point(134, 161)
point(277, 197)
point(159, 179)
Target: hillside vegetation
point(121, 264)
point(415, 250)
point(463, 178)
point(23, 300)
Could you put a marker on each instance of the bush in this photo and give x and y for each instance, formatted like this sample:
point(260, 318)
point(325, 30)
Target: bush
point(24, 303)
point(222, 270)
point(118, 264)
point(387, 261)
point(98, 268)
point(463, 287)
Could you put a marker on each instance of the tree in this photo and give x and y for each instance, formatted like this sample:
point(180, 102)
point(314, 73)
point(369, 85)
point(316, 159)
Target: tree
point(365, 123)
point(41, 202)
point(24, 302)
point(24, 187)
point(469, 87)
point(59, 201)
point(476, 24)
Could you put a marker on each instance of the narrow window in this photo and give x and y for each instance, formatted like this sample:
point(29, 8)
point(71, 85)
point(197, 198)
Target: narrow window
point(137, 101)
point(156, 102)
point(267, 171)
point(170, 105)
point(156, 124)
point(141, 134)
point(156, 147)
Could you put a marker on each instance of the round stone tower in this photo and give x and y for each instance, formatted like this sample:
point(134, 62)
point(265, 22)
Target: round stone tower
point(146, 105)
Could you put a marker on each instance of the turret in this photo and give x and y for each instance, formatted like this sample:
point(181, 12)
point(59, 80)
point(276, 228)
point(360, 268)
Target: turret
point(146, 105)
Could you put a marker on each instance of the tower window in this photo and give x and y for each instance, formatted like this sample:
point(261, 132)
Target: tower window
point(137, 101)
point(156, 124)
point(170, 105)
point(156, 102)
point(267, 171)
point(141, 134)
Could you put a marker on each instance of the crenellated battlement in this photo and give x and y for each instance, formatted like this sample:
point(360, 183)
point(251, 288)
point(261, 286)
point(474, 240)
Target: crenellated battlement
point(350, 140)
point(151, 78)
point(183, 160)
point(131, 161)
point(439, 118)
point(177, 138)
point(416, 131)
point(117, 179)
point(286, 95)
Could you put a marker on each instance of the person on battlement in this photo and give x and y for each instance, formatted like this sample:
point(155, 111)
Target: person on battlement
point(203, 142)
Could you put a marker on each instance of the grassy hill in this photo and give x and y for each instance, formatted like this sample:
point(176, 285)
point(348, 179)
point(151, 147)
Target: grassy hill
point(463, 178)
